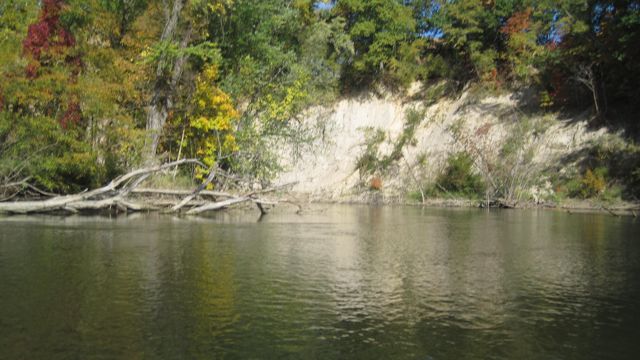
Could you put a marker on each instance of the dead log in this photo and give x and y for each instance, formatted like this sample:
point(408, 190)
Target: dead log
point(164, 203)
point(21, 186)
point(218, 205)
point(169, 192)
point(94, 199)
point(240, 199)
point(117, 202)
point(194, 194)
point(114, 195)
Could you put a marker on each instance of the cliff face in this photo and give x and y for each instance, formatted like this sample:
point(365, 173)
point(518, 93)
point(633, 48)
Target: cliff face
point(411, 153)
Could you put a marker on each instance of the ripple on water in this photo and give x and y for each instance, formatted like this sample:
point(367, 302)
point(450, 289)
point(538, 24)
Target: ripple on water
point(352, 282)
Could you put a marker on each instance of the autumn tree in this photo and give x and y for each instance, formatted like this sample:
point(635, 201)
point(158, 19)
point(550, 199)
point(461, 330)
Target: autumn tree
point(41, 118)
point(211, 124)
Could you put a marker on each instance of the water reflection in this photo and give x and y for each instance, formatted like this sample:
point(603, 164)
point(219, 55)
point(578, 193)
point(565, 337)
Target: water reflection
point(348, 282)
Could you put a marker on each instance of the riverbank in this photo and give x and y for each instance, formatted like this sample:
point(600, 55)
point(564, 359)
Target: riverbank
point(395, 149)
point(616, 208)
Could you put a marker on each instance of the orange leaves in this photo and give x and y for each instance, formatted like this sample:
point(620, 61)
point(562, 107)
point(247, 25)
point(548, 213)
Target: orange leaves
point(519, 22)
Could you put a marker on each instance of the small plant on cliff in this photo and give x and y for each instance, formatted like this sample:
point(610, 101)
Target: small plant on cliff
point(459, 178)
point(375, 183)
point(368, 162)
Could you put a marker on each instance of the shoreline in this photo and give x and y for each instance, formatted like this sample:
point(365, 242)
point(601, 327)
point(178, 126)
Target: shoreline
point(616, 208)
point(299, 200)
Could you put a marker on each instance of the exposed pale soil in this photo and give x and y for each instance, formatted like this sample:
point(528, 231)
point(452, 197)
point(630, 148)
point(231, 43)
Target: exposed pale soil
point(326, 169)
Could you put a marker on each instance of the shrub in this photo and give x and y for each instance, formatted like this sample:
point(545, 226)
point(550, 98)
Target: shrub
point(591, 184)
point(459, 177)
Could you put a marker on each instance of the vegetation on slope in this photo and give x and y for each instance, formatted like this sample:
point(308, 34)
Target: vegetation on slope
point(92, 88)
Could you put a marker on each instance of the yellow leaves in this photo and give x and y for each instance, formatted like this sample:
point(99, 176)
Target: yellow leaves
point(210, 73)
point(213, 121)
point(219, 7)
point(283, 110)
point(546, 100)
point(230, 145)
point(216, 8)
point(145, 53)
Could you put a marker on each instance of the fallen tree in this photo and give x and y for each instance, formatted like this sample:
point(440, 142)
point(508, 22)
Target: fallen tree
point(117, 195)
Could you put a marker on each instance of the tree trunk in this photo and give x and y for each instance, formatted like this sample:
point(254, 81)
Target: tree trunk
point(587, 77)
point(162, 99)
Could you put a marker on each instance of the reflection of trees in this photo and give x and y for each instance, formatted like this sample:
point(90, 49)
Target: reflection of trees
point(72, 294)
point(213, 289)
point(355, 281)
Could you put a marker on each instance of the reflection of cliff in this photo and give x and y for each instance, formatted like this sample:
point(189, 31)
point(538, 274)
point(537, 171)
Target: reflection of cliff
point(484, 278)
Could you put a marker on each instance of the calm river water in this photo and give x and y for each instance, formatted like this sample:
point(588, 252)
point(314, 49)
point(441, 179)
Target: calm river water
point(340, 282)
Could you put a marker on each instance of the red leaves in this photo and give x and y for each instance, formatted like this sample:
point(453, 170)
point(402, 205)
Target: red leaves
point(48, 35)
point(559, 88)
point(48, 40)
point(72, 115)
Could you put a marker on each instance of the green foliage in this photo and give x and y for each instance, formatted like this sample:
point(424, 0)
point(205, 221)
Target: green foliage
point(278, 59)
point(609, 171)
point(165, 52)
point(591, 184)
point(38, 147)
point(67, 125)
point(368, 162)
point(621, 161)
point(324, 46)
point(371, 162)
point(382, 33)
point(413, 118)
point(459, 177)
point(14, 17)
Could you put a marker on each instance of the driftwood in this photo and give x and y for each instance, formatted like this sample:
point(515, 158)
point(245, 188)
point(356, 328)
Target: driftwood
point(101, 198)
point(194, 194)
point(115, 195)
point(171, 192)
point(218, 205)
point(240, 199)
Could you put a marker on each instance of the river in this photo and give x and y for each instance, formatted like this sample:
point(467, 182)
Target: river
point(337, 282)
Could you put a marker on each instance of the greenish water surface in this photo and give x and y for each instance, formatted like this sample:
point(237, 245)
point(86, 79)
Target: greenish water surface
point(339, 282)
